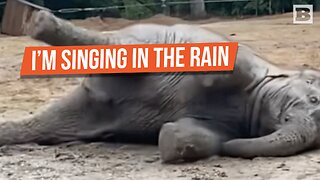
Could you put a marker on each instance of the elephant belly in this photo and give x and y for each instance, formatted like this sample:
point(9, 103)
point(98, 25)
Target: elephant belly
point(222, 111)
point(141, 117)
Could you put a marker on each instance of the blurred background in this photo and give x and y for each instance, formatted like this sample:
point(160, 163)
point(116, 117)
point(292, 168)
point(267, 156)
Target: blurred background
point(15, 14)
point(187, 9)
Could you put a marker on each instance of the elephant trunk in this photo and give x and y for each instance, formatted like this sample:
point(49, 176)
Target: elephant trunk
point(288, 140)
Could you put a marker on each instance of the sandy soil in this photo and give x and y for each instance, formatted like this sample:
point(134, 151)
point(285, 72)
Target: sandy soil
point(274, 37)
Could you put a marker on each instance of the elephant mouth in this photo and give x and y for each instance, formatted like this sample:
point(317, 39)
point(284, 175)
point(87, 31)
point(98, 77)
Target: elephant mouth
point(316, 114)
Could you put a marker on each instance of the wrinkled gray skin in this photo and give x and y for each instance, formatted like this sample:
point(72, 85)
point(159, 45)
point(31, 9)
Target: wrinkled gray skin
point(258, 110)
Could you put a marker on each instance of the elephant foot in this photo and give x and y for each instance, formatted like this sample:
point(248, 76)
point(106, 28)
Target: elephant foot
point(187, 140)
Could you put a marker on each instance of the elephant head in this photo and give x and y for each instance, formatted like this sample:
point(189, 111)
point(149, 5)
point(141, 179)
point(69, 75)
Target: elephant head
point(288, 120)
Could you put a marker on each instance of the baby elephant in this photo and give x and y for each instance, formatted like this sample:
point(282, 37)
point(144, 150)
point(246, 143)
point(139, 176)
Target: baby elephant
point(257, 110)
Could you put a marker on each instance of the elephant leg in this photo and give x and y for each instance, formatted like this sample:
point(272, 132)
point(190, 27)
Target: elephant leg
point(72, 118)
point(46, 27)
point(187, 140)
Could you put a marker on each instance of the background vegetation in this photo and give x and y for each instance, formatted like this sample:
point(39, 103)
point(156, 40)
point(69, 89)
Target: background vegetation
point(182, 10)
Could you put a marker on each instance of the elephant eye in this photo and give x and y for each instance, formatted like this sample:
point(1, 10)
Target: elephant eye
point(287, 118)
point(310, 81)
point(314, 99)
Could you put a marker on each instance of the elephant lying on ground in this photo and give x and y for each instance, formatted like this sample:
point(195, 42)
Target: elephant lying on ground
point(257, 110)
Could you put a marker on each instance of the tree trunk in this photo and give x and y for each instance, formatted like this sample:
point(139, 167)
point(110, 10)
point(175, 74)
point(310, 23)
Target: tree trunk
point(270, 7)
point(257, 7)
point(198, 9)
point(317, 5)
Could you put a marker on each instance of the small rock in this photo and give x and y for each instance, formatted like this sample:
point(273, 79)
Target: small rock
point(104, 156)
point(182, 175)
point(152, 159)
point(117, 165)
point(64, 156)
point(281, 165)
point(223, 174)
point(88, 156)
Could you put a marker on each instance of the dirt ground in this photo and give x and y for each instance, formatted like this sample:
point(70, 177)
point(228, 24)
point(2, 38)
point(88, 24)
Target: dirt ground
point(275, 37)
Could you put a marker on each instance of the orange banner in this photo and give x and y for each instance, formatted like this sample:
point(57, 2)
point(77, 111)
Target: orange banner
point(193, 57)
